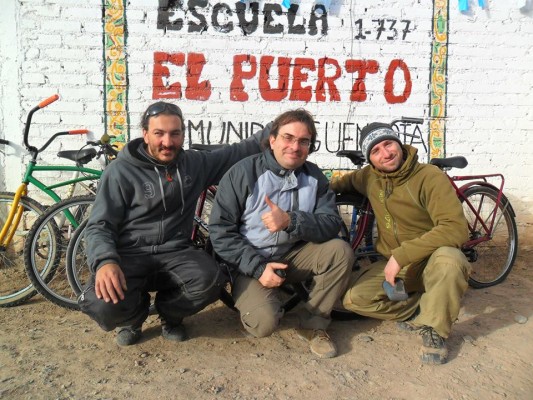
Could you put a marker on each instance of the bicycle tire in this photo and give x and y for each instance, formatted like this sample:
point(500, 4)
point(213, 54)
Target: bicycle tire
point(15, 287)
point(492, 260)
point(46, 247)
point(348, 206)
point(202, 233)
point(78, 272)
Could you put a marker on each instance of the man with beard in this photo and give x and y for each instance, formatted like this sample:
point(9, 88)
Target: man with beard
point(139, 230)
point(421, 227)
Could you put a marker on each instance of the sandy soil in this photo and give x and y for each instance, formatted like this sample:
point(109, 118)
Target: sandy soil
point(50, 353)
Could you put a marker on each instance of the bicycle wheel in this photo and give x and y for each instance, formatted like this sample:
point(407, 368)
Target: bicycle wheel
point(15, 288)
point(45, 249)
point(351, 208)
point(491, 260)
point(78, 272)
point(201, 224)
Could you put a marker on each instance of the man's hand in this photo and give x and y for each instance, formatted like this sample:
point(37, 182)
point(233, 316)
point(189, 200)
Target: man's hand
point(391, 270)
point(110, 283)
point(269, 279)
point(275, 220)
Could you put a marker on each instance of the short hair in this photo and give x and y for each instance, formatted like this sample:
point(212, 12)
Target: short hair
point(298, 115)
point(161, 108)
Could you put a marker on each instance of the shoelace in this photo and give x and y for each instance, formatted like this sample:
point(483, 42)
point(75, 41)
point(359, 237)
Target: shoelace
point(321, 335)
point(428, 331)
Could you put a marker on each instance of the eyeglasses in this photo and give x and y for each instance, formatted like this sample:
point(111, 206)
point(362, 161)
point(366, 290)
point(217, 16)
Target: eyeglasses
point(289, 139)
point(162, 107)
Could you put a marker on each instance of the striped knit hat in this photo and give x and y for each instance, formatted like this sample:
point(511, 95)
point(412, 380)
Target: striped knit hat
point(373, 134)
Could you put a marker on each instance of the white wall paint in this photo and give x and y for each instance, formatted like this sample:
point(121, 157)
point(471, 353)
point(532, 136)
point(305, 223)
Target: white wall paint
point(55, 46)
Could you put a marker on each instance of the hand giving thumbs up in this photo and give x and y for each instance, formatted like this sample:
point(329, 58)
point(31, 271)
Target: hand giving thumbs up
point(276, 219)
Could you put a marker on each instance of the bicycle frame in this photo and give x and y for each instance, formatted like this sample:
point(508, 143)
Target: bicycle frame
point(487, 226)
point(15, 213)
point(198, 221)
point(357, 233)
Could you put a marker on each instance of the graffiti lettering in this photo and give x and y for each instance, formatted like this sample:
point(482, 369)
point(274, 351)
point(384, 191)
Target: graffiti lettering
point(294, 80)
point(230, 133)
point(199, 15)
point(245, 68)
point(389, 26)
point(335, 135)
point(194, 90)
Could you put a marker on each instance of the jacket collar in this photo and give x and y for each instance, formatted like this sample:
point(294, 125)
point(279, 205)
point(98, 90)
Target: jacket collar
point(274, 166)
point(407, 168)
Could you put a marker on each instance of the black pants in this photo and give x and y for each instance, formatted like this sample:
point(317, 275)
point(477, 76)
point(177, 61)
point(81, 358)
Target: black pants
point(185, 281)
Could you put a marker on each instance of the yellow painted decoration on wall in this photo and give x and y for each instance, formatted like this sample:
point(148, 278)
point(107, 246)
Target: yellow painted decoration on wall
point(439, 57)
point(116, 90)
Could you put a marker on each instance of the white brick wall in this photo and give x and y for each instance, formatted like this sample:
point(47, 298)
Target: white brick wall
point(56, 46)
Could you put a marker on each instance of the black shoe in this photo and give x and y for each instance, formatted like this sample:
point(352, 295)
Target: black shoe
point(434, 350)
point(128, 335)
point(176, 333)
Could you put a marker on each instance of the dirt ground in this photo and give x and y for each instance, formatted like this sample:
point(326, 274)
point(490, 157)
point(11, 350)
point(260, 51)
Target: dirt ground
point(50, 353)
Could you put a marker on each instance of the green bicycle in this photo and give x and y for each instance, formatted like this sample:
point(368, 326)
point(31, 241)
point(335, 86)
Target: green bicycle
point(18, 212)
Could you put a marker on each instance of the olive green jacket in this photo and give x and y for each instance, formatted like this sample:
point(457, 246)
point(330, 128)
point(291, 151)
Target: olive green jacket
point(416, 208)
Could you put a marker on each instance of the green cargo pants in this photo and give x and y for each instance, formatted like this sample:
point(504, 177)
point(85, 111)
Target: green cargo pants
point(328, 265)
point(436, 286)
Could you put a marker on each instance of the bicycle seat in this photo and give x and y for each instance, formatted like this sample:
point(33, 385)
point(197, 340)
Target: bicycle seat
point(206, 147)
point(355, 156)
point(82, 156)
point(450, 162)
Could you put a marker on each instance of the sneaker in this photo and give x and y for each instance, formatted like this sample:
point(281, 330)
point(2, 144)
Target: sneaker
point(176, 333)
point(434, 350)
point(320, 343)
point(128, 335)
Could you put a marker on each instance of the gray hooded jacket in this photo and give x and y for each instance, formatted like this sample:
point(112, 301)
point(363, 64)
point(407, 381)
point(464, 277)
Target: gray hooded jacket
point(146, 208)
point(235, 227)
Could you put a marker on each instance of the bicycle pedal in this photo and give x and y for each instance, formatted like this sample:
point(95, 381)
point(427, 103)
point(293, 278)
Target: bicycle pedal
point(396, 292)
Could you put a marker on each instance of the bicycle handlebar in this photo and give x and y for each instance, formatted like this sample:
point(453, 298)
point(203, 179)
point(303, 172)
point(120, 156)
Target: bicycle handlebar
point(409, 120)
point(104, 143)
point(78, 131)
point(32, 149)
point(48, 101)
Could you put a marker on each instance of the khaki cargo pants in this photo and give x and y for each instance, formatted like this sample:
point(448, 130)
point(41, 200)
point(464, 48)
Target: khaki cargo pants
point(436, 286)
point(327, 264)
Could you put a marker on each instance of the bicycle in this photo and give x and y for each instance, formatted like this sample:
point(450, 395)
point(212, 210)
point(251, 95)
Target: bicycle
point(18, 212)
point(46, 245)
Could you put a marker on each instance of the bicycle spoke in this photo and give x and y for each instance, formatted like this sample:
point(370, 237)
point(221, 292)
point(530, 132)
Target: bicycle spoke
point(492, 259)
point(46, 249)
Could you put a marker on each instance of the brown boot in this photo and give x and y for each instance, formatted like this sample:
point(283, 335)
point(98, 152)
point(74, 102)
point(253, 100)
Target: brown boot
point(320, 343)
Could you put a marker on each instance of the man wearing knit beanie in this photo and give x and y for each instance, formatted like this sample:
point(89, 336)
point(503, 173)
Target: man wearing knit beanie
point(421, 227)
point(375, 133)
